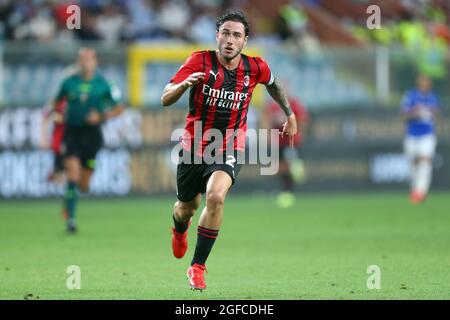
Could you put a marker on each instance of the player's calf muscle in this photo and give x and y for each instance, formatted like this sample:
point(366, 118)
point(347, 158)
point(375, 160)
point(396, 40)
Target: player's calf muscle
point(184, 212)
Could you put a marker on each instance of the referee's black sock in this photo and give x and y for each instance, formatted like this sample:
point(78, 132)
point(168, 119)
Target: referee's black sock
point(205, 241)
point(288, 182)
point(180, 227)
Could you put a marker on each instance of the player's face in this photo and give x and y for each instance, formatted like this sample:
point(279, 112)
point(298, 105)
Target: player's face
point(231, 39)
point(87, 60)
point(424, 83)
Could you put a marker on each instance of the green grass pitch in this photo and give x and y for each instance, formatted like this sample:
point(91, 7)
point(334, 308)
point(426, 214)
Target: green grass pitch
point(318, 249)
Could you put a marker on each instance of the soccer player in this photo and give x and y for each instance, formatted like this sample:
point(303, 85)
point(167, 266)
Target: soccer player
point(90, 101)
point(220, 84)
point(290, 166)
point(419, 109)
point(55, 115)
point(57, 136)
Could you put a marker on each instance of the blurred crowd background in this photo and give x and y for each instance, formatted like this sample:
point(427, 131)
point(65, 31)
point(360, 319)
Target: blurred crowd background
point(338, 22)
point(415, 31)
point(351, 79)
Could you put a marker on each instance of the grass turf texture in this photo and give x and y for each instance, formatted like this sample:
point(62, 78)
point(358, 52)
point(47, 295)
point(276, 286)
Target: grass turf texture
point(318, 249)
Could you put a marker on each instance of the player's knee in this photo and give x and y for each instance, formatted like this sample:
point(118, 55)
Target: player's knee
point(215, 198)
point(424, 159)
point(73, 170)
point(74, 177)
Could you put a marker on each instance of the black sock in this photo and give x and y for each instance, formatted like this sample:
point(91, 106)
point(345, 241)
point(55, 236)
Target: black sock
point(205, 241)
point(288, 182)
point(180, 227)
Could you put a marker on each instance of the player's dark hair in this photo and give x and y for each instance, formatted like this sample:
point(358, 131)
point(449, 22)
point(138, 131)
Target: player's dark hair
point(233, 15)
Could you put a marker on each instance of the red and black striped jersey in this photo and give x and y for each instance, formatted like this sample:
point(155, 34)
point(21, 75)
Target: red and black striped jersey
point(222, 99)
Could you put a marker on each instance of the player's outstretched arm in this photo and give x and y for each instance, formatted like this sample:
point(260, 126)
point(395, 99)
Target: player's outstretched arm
point(277, 93)
point(173, 91)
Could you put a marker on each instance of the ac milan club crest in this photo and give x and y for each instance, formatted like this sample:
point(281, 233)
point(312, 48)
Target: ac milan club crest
point(246, 80)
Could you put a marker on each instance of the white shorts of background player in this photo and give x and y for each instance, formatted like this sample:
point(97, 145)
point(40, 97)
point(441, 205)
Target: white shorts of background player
point(420, 146)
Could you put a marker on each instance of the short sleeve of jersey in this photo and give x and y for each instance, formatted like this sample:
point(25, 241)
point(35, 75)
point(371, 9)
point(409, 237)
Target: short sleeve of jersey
point(265, 75)
point(193, 64)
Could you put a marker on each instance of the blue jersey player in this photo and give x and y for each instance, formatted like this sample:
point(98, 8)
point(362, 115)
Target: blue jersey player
point(419, 109)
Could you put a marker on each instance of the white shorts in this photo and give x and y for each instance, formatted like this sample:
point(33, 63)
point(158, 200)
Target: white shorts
point(423, 146)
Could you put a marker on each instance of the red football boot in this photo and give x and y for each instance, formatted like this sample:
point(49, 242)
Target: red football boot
point(417, 197)
point(179, 242)
point(196, 276)
point(64, 214)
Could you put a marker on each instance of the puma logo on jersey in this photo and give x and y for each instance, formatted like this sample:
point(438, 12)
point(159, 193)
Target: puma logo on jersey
point(214, 74)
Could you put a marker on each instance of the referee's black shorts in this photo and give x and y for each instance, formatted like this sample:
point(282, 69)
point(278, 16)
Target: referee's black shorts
point(83, 143)
point(193, 177)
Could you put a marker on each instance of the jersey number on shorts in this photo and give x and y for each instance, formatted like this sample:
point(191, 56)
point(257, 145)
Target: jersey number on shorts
point(230, 161)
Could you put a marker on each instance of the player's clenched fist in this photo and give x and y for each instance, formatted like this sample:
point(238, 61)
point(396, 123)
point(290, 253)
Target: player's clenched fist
point(93, 118)
point(193, 79)
point(173, 91)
